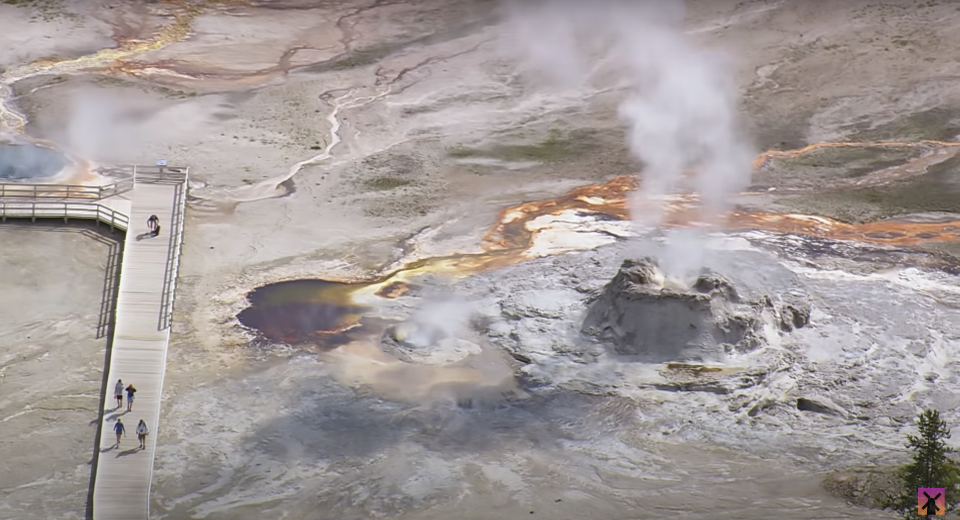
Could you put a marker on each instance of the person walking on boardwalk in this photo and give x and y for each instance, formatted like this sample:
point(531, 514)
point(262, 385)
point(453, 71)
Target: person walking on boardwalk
point(130, 391)
point(142, 434)
point(119, 430)
point(118, 393)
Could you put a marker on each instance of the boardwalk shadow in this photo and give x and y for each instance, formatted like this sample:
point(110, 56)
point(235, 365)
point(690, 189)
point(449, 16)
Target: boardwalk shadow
point(114, 415)
point(128, 452)
point(108, 416)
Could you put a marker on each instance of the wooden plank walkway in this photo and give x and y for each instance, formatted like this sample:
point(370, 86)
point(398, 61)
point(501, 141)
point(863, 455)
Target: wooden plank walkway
point(144, 308)
point(139, 351)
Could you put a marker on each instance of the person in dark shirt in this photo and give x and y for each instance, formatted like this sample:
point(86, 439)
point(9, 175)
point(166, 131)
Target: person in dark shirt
point(130, 391)
point(119, 430)
point(153, 223)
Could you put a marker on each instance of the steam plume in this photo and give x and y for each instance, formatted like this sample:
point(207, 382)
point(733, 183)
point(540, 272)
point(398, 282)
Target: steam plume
point(681, 107)
point(443, 371)
point(436, 320)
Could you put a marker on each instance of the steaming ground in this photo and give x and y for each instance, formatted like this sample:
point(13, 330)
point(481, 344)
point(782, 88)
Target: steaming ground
point(593, 434)
point(51, 366)
point(250, 433)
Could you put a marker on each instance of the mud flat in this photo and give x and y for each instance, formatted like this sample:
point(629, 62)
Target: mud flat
point(51, 365)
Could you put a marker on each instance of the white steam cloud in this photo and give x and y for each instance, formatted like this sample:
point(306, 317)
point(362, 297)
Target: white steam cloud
point(680, 111)
point(437, 320)
point(108, 125)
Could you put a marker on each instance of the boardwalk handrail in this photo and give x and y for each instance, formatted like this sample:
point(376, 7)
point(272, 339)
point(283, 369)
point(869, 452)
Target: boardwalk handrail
point(160, 174)
point(64, 191)
point(173, 255)
point(66, 209)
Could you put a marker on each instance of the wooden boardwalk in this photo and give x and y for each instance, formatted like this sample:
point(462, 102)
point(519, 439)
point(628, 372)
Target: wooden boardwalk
point(144, 307)
point(139, 351)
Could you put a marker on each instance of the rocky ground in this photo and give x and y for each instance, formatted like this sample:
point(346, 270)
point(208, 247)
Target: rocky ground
point(320, 136)
point(51, 365)
point(585, 419)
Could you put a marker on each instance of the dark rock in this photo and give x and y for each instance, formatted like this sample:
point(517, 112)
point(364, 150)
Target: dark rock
point(713, 387)
point(794, 316)
point(819, 405)
point(639, 272)
point(655, 322)
point(520, 357)
point(711, 283)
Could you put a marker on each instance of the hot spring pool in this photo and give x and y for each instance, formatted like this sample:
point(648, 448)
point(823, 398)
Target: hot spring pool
point(27, 162)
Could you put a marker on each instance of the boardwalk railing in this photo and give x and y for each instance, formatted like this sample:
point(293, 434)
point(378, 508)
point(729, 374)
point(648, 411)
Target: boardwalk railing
point(160, 174)
point(111, 281)
point(173, 255)
point(64, 191)
point(65, 209)
point(68, 201)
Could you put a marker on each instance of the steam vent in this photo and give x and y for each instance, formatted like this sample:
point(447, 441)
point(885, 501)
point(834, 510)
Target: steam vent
point(642, 317)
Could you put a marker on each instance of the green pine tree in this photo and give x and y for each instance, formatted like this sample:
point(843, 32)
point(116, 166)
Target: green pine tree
point(932, 466)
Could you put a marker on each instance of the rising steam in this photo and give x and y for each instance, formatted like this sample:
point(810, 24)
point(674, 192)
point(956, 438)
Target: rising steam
point(441, 363)
point(680, 111)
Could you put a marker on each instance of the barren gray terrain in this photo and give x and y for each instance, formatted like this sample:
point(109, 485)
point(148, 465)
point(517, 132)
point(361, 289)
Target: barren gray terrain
point(363, 141)
point(51, 364)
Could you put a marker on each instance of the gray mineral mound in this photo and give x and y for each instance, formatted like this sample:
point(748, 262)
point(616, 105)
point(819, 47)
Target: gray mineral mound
point(425, 343)
point(643, 317)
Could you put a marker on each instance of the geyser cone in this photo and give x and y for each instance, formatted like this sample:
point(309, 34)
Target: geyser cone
point(650, 321)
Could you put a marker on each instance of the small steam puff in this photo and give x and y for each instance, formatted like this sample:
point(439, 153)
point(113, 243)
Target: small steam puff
point(681, 110)
point(436, 321)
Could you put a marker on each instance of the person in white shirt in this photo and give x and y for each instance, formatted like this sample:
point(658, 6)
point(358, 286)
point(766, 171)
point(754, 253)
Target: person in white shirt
point(142, 434)
point(118, 393)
